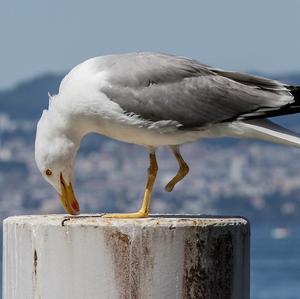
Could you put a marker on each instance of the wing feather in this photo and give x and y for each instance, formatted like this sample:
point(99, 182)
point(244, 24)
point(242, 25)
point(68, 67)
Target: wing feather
point(161, 87)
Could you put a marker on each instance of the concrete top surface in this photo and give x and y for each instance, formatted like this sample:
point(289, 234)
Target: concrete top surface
point(160, 220)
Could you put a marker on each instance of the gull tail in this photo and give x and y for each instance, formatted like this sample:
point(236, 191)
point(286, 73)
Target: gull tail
point(264, 129)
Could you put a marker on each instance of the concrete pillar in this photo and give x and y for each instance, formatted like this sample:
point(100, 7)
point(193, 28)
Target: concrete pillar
point(87, 257)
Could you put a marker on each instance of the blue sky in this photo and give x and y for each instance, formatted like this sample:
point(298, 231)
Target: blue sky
point(39, 36)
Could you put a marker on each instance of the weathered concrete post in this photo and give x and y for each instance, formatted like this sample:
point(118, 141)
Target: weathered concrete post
point(53, 257)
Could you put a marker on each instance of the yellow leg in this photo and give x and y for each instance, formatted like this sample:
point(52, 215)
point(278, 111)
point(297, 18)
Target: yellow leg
point(182, 172)
point(144, 210)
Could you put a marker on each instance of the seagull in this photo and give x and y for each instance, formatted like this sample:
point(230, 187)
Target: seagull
point(154, 100)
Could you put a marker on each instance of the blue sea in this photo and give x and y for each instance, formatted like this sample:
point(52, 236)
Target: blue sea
point(275, 263)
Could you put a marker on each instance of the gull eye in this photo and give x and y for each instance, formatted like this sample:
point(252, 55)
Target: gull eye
point(48, 172)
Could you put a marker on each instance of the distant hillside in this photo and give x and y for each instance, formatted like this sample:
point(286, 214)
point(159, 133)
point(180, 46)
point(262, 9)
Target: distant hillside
point(27, 100)
point(293, 79)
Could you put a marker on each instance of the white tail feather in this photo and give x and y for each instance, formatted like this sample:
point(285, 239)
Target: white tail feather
point(264, 129)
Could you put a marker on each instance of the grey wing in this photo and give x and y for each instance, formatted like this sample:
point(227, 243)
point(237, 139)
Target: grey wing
point(192, 94)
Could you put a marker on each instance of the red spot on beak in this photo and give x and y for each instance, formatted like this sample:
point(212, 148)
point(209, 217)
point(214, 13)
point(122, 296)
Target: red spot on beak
point(75, 206)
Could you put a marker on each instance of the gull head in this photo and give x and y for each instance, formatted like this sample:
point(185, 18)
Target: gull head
point(55, 153)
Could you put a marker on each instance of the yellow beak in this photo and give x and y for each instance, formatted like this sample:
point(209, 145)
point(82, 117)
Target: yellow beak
point(67, 197)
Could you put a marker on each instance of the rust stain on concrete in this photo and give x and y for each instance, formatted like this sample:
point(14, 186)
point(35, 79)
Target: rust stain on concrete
point(132, 260)
point(35, 261)
point(208, 264)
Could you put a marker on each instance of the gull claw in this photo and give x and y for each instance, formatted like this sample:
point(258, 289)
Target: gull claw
point(169, 187)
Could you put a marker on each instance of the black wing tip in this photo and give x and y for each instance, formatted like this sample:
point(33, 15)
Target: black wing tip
point(290, 108)
point(295, 91)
